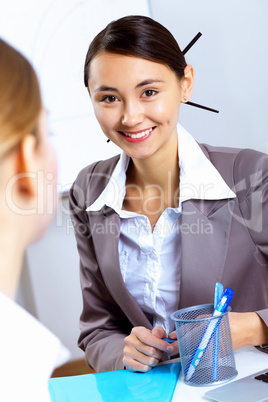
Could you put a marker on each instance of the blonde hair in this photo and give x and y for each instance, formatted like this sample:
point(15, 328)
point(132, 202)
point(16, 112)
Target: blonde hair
point(20, 99)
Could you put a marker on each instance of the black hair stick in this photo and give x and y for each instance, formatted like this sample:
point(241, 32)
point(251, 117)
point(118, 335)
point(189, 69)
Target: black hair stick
point(185, 51)
point(192, 43)
point(202, 107)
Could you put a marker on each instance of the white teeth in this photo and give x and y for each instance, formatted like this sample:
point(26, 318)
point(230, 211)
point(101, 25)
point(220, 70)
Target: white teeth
point(139, 135)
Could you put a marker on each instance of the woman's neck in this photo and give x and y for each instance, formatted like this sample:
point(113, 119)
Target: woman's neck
point(11, 261)
point(160, 169)
point(15, 228)
point(152, 184)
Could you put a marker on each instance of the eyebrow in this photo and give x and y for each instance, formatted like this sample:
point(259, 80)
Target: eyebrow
point(141, 84)
point(147, 82)
point(104, 88)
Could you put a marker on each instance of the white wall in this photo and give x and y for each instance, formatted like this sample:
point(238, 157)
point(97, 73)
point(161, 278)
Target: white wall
point(230, 61)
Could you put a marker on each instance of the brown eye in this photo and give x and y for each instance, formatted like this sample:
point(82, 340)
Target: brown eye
point(148, 93)
point(109, 99)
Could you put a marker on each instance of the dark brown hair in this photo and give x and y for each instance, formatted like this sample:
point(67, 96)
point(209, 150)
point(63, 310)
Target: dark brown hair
point(137, 36)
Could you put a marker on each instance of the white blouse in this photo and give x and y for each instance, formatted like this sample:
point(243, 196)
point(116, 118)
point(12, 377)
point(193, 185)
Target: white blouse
point(28, 354)
point(150, 261)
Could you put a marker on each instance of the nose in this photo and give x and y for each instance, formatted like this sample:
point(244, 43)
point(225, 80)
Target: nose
point(132, 114)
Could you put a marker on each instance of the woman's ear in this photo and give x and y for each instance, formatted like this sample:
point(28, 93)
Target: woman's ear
point(188, 83)
point(27, 166)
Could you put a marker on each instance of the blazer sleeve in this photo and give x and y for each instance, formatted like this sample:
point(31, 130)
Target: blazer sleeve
point(103, 324)
point(251, 178)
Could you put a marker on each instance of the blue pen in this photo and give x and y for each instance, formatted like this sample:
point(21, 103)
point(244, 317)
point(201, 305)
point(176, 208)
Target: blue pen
point(208, 332)
point(217, 296)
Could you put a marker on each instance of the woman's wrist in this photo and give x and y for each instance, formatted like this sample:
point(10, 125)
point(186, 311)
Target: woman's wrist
point(255, 330)
point(247, 329)
point(262, 331)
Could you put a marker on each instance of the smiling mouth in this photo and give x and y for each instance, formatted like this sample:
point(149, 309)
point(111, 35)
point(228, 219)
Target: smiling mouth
point(138, 134)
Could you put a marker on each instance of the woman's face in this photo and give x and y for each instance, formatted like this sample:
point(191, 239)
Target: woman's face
point(46, 178)
point(136, 102)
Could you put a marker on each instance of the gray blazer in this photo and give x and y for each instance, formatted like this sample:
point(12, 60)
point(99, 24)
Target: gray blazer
point(234, 251)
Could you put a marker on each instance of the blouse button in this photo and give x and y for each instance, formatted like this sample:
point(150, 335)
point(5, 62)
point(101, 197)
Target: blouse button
point(153, 256)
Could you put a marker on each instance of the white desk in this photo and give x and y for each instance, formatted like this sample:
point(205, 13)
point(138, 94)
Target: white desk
point(248, 360)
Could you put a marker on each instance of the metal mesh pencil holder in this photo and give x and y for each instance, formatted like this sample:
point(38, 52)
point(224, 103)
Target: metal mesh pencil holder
point(205, 345)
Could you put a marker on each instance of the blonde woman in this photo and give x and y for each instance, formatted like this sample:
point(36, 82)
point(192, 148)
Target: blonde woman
point(28, 166)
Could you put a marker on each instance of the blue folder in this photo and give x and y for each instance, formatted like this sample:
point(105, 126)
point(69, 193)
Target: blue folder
point(157, 385)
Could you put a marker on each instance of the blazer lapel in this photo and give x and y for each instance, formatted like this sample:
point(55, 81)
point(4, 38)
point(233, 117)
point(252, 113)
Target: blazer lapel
point(204, 226)
point(105, 226)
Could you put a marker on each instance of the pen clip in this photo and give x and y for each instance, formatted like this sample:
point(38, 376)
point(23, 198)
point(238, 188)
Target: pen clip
point(169, 340)
point(218, 293)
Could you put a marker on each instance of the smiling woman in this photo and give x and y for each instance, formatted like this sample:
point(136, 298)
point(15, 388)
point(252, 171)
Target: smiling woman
point(142, 265)
point(140, 105)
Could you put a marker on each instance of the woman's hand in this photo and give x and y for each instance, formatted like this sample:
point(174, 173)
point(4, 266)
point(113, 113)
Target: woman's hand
point(247, 329)
point(144, 348)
